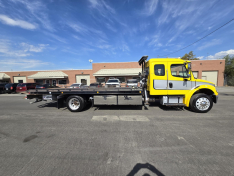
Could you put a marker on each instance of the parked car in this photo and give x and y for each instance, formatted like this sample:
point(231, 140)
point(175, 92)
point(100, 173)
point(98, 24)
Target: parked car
point(10, 87)
point(78, 85)
point(96, 84)
point(113, 83)
point(2, 87)
point(132, 83)
point(45, 86)
point(23, 87)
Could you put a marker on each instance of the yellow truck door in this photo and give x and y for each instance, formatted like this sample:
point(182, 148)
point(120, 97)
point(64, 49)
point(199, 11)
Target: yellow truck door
point(158, 78)
point(179, 82)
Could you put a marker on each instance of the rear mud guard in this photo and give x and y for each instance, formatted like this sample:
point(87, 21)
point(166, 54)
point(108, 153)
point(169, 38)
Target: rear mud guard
point(60, 100)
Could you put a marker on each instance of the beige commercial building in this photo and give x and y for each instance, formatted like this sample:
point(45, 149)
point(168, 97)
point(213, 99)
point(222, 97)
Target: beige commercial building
point(210, 70)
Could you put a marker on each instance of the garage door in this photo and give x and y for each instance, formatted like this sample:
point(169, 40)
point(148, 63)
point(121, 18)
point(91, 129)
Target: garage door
point(195, 74)
point(20, 79)
point(85, 79)
point(211, 76)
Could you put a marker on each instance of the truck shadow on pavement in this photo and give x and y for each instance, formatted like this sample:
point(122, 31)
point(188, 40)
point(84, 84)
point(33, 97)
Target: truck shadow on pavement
point(117, 107)
point(48, 104)
point(168, 108)
point(227, 94)
point(148, 166)
point(88, 106)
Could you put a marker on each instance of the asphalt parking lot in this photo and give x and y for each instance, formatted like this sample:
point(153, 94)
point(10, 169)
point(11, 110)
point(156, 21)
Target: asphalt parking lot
point(38, 139)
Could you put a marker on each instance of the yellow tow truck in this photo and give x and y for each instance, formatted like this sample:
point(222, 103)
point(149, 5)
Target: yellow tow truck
point(169, 80)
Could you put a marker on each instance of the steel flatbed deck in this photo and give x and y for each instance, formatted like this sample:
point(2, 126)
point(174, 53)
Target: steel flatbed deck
point(88, 91)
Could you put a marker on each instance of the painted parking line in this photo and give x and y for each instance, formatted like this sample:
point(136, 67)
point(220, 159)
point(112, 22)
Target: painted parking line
point(120, 118)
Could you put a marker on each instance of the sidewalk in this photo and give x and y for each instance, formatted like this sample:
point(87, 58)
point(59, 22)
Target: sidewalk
point(225, 89)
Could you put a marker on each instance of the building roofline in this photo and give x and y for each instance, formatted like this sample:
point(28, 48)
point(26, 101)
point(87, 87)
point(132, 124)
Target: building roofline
point(113, 62)
point(207, 60)
point(43, 70)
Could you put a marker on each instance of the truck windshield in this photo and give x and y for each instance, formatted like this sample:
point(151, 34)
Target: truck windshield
point(179, 70)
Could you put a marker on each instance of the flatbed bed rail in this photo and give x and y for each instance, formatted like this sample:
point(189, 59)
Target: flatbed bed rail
point(93, 91)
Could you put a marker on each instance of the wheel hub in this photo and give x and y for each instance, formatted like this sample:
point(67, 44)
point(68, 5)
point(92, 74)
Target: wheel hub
point(202, 103)
point(74, 103)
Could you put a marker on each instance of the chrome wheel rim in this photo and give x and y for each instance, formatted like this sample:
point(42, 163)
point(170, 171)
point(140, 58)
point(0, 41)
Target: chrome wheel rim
point(203, 104)
point(74, 103)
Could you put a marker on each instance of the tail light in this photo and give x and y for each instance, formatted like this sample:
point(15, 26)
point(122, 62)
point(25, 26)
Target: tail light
point(43, 87)
point(98, 86)
point(127, 86)
point(11, 88)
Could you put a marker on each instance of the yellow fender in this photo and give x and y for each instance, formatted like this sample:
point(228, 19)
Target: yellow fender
point(192, 91)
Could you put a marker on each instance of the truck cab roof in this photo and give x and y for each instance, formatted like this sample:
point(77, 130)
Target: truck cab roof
point(167, 60)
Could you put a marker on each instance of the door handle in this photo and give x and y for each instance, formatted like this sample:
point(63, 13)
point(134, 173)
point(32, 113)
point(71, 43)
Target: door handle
point(170, 85)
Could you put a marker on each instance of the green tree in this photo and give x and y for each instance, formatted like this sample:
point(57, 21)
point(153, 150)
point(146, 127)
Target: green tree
point(189, 56)
point(229, 70)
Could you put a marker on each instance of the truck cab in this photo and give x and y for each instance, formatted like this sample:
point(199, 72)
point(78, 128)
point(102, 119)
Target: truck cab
point(171, 80)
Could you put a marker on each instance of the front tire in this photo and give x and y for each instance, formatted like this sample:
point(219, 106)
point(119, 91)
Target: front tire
point(201, 103)
point(75, 103)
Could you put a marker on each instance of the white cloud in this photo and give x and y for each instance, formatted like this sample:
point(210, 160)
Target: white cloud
point(60, 39)
point(8, 49)
point(21, 64)
point(103, 46)
point(86, 30)
point(76, 37)
point(220, 54)
point(155, 41)
point(16, 22)
point(209, 44)
point(111, 27)
point(200, 57)
point(102, 7)
point(149, 7)
point(31, 48)
point(124, 47)
point(39, 11)
point(184, 16)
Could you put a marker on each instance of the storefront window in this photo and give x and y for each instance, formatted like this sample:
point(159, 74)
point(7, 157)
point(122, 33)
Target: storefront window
point(121, 79)
point(62, 81)
point(138, 78)
point(84, 81)
point(101, 79)
point(39, 81)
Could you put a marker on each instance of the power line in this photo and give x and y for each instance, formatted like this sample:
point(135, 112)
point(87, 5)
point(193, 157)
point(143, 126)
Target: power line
point(200, 38)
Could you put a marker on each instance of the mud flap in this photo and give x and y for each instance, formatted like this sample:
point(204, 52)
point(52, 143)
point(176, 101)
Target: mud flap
point(60, 101)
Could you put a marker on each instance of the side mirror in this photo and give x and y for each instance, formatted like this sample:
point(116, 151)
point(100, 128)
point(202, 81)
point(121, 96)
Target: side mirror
point(189, 66)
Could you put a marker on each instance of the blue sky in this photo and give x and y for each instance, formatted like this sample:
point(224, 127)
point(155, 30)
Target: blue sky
point(66, 34)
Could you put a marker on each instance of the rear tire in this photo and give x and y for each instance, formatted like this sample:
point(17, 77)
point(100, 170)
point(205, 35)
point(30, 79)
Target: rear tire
point(201, 103)
point(75, 103)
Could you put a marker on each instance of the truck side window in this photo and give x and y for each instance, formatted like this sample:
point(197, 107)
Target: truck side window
point(179, 70)
point(159, 70)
